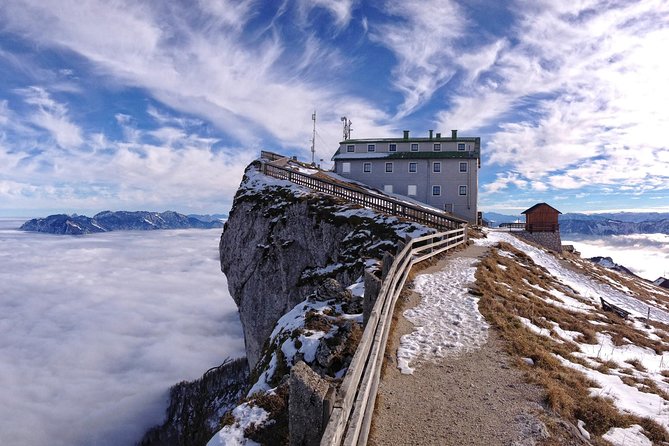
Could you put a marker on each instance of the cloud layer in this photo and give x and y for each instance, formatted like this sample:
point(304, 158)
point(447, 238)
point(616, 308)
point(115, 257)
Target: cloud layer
point(647, 255)
point(95, 329)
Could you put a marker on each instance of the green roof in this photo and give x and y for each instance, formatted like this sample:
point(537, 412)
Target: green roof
point(407, 155)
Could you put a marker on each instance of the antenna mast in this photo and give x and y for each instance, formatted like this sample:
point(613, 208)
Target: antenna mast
point(313, 137)
point(347, 128)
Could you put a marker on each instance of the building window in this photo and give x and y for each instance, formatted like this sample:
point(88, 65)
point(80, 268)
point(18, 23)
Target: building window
point(392, 148)
point(411, 190)
point(371, 147)
point(437, 147)
point(388, 188)
point(413, 167)
point(414, 147)
point(461, 146)
point(463, 167)
point(345, 167)
point(463, 190)
point(389, 167)
point(350, 148)
point(436, 167)
point(448, 207)
point(367, 167)
point(436, 190)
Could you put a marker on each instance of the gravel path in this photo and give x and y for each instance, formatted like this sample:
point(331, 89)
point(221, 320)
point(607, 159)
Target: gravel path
point(469, 398)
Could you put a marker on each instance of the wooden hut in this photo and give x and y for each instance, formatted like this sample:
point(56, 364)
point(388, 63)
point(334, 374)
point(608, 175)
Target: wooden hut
point(542, 218)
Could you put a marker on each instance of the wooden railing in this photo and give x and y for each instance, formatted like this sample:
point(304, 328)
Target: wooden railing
point(512, 225)
point(271, 156)
point(532, 227)
point(351, 418)
point(380, 203)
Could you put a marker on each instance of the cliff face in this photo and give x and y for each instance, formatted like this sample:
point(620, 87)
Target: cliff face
point(196, 407)
point(281, 241)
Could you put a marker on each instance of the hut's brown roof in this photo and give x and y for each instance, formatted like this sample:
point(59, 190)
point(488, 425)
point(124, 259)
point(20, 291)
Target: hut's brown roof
point(537, 205)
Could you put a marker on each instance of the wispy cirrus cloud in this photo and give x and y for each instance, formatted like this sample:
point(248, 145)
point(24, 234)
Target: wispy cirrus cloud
point(421, 36)
point(578, 100)
point(51, 116)
point(249, 88)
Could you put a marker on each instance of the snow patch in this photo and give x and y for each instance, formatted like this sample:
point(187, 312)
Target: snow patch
point(631, 436)
point(233, 435)
point(447, 319)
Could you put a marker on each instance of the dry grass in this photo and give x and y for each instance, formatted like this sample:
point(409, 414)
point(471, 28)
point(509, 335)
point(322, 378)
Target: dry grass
point(567, 390)
point(636, 364)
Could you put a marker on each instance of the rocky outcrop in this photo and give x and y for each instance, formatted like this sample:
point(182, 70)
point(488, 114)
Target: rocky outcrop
point(308, 408)
point(196, 407)
point(281, 241)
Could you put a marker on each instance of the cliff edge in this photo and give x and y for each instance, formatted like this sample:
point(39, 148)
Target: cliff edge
point(282, 240)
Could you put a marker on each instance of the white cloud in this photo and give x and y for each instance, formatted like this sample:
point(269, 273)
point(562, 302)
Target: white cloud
point(96, 328)
point(581, 95)
point(248, 89)
point(645, 254)
point(159, 169)
point(52, 116)
point(341, 10)
point(421, 35)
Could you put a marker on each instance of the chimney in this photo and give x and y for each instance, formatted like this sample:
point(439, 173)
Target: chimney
point(406, 134)
point(454, 134)
point(431, 133)
point(438, 135)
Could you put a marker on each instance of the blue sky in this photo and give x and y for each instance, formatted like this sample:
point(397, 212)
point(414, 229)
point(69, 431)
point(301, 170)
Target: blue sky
point(113, 104)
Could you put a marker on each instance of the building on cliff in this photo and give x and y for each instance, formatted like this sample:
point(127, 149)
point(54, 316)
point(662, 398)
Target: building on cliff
point(439, 171)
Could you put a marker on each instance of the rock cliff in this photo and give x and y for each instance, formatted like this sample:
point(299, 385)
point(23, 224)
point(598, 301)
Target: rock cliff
point(281, 241)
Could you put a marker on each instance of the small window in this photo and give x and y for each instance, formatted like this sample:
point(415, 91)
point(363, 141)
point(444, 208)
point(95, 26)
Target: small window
point(436, 167)
point(350, 148)
point(346, 167)
point(371, 147)
point(448, 207)
point(463, 190)
point(413, 167)
point(436, 190)
point(392, 148)
point(461, 146)
point(388, 188)
point(414, 147)
point(463, 167)
point(367, 167)
point(411, 190)
point(437, 147)
point(389, 167)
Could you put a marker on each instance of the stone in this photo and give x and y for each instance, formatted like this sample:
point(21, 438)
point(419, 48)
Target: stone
point(308, 406)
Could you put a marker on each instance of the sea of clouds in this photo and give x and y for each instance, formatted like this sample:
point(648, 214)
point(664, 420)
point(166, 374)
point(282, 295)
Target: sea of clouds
point(646, 255)
point(95, 329)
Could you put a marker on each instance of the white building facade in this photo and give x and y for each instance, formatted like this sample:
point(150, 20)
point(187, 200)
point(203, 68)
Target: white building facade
point(441, 172)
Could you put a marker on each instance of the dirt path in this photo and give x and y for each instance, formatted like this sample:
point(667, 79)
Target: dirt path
point(471, 398)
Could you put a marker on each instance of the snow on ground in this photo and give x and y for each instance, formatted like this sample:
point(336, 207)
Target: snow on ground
point(579, 282)
point(631, 436)
point(233, 435)
point(631, 370)
point(447, 319)
point(626, 398)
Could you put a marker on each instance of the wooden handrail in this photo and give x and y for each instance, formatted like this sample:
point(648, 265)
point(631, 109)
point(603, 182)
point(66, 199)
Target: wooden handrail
point(351, 418)
point(380, 203)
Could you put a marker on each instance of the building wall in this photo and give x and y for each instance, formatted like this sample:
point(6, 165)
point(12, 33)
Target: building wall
point(449, 179)
point(542, 217)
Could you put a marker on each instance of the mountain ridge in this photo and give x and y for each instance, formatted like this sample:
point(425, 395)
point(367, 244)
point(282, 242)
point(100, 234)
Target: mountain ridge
point(107, 221)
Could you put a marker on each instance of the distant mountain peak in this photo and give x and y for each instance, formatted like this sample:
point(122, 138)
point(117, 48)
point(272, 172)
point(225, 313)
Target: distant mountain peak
point(116, 221)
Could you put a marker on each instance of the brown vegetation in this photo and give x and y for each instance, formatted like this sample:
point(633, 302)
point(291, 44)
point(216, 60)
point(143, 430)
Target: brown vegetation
point(520, 289)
